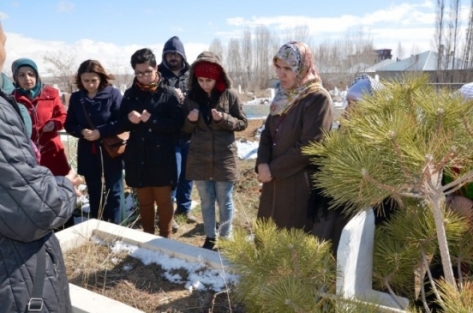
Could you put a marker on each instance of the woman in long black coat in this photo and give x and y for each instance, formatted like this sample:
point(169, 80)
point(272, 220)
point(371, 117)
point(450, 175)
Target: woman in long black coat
point(154, 117)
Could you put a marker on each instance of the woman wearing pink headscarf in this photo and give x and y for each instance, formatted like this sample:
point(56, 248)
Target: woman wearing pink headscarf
point(300, 113)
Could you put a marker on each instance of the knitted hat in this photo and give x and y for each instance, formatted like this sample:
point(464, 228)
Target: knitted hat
point(208, 70)
point(212, 71)
point(174, 44)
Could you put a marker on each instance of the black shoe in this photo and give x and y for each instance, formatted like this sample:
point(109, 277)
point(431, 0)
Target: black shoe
point(209, 243)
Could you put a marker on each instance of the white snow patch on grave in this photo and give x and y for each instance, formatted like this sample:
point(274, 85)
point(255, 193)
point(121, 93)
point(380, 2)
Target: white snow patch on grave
point(199, 276)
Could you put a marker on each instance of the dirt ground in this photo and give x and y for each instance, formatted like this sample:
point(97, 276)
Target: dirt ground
point(97, 268)
point(250, 131)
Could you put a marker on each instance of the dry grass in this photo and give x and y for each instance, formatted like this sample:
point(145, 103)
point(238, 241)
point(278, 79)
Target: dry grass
point(97, 268)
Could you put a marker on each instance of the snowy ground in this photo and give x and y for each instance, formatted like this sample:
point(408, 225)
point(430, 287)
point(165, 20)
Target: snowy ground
point(199, 277)
point(247, 150)
point(258, 101)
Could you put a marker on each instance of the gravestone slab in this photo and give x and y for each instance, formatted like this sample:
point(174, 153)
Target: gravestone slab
point(355, 264)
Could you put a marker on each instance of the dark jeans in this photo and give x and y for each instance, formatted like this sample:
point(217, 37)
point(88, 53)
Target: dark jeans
point(107, 198)
point(182, 193)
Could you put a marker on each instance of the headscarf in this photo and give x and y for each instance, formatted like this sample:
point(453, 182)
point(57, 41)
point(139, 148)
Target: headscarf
point(466, 92)
point(363, 84)
point(5, 84)
point(36, 90)
point(299, 57)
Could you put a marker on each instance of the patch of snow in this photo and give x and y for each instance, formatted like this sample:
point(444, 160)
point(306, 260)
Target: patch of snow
point(258, 101)
point(199, 275)
point(247, 149)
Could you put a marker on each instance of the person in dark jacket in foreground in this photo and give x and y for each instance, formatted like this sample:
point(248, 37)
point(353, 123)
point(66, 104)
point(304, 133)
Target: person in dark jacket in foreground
point(32, 203)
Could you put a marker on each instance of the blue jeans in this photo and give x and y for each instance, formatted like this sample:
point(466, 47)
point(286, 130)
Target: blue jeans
point(183, 192)
point(222, 192)
point(108, 198)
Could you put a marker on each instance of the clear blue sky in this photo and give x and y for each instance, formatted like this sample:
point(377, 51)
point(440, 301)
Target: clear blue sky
point(124, 22)
point(112, 29)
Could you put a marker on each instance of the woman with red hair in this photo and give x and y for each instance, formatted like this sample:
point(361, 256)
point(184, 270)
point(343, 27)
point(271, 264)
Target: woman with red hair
point(214, 112)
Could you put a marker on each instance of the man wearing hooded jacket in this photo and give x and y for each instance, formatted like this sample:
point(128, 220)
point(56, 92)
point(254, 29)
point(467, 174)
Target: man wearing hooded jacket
point(32, 203)
point(174, 71)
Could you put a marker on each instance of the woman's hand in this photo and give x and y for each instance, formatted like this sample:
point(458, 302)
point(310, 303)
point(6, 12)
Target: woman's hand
point(216, 115)
point(48, 127)
point(72, 176)
point(75, 180)
point(145, 116)
point(95, 135)
point(264, 173)
point(86, 132)
point(134, 117)
point(90, 135)
point(193, 115)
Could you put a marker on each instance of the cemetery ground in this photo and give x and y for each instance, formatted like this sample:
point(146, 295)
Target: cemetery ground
point(97, 268)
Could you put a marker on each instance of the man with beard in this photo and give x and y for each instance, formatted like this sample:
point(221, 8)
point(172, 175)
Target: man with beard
point(174, 71)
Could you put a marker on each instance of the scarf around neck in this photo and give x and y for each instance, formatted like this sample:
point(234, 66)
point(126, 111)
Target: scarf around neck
point(151, 87)
point(284, 100)
point(32, 93)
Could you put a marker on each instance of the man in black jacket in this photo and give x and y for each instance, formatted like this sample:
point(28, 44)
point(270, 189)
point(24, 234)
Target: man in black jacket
point(174, 71)
point(32, 204)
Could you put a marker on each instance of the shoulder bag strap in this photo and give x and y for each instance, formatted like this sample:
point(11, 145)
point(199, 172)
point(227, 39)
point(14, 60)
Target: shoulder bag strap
point(87, 117)
point(36, 301)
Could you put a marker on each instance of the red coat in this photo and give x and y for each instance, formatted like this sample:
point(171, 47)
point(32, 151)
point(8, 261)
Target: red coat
point(44, 108)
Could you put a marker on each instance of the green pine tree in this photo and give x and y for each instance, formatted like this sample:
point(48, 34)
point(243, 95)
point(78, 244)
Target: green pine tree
point(286, 271)
point(398, 143)
point(281, 270)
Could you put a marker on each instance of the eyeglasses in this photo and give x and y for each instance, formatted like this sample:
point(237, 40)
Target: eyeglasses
point(173, 54)
point(145, 73)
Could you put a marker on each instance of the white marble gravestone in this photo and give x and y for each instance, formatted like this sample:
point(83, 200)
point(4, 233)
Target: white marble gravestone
point(355, 264)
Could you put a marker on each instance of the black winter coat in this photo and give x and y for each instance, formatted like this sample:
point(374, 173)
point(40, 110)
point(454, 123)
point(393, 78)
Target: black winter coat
point(171, 80)
point(150, 160)
point(32, 203)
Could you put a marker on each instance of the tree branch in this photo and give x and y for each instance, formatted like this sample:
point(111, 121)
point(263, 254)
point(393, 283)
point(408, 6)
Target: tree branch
point(464, 179)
